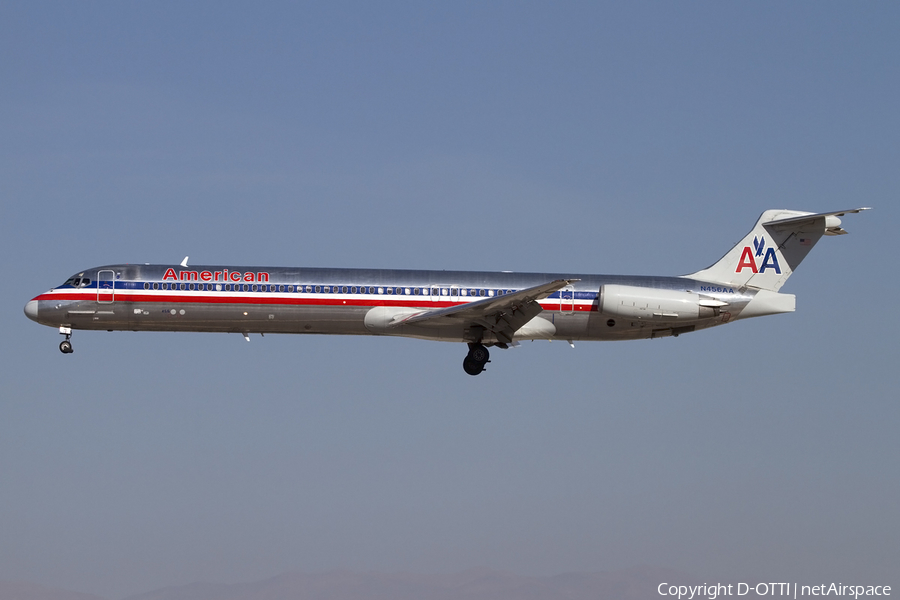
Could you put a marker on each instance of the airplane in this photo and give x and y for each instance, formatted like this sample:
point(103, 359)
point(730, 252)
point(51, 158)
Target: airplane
point(481, 309)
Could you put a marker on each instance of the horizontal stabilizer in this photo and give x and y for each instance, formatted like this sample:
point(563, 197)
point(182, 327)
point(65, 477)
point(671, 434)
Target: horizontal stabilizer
point(832, 222)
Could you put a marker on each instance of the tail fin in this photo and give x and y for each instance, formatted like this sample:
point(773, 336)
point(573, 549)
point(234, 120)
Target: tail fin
point(767, 256)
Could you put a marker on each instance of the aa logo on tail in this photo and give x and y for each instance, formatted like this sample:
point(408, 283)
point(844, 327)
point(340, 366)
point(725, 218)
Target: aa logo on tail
point(748, 260)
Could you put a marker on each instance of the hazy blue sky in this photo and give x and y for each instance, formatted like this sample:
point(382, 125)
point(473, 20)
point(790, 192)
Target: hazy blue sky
point(584, 137)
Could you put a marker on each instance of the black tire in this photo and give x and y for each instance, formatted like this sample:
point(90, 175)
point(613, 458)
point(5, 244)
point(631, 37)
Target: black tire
point(479, 354)
point(471, 367)
point(65, 347)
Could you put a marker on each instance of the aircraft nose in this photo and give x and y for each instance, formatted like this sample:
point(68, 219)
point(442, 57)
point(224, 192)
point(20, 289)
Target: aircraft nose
point(31, 310)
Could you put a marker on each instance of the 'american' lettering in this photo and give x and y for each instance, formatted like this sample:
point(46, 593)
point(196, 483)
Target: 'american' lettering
point(259, 276)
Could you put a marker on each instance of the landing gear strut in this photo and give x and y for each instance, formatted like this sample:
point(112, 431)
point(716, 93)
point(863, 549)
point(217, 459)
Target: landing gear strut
point(65, 346)
point(475, 360)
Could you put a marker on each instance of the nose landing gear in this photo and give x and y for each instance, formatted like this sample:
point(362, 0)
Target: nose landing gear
point(475, 360)
point(65, 346)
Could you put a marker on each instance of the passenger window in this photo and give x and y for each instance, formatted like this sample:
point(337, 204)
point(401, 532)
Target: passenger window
point(390, 290)
point(146, 286)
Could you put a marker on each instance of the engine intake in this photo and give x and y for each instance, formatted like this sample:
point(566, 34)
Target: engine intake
point(651, 304)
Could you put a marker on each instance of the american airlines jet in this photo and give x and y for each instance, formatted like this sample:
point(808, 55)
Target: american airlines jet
point(480, 309)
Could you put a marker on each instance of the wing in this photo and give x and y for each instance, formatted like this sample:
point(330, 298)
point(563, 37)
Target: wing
point(502, 315)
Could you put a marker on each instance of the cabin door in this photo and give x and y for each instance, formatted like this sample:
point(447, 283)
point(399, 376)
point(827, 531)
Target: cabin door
point(106, 287)
point(567, 300)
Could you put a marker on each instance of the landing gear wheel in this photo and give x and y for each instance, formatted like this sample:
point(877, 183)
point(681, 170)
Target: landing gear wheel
point(475, 360)
point(65, 347)
point(471, 367)
point(479, 353)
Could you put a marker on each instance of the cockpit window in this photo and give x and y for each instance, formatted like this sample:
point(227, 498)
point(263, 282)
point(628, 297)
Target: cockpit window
point(77, 282)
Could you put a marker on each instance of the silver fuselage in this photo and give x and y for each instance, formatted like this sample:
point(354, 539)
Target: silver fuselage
point(341, 301)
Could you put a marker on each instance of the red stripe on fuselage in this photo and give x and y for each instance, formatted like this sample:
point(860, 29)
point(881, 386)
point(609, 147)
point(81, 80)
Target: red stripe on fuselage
point(121, 296)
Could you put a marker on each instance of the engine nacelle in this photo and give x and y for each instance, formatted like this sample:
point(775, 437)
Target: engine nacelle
point(650, 304)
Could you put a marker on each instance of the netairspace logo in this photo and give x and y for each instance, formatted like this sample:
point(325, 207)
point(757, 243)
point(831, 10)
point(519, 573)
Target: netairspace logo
point(713, 591)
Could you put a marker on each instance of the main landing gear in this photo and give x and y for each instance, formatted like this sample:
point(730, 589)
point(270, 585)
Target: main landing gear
point(65, 346)
point(475, 360)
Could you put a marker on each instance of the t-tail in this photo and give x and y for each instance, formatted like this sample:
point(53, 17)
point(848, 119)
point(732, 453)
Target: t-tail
point(773, 249)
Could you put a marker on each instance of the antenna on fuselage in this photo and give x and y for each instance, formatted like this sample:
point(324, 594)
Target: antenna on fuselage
point(184, 262)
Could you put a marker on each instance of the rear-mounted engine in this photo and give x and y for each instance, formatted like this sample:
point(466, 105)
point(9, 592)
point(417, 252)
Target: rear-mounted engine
point(650, 304)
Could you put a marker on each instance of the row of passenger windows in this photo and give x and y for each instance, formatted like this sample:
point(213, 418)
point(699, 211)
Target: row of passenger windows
point(327, 289)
